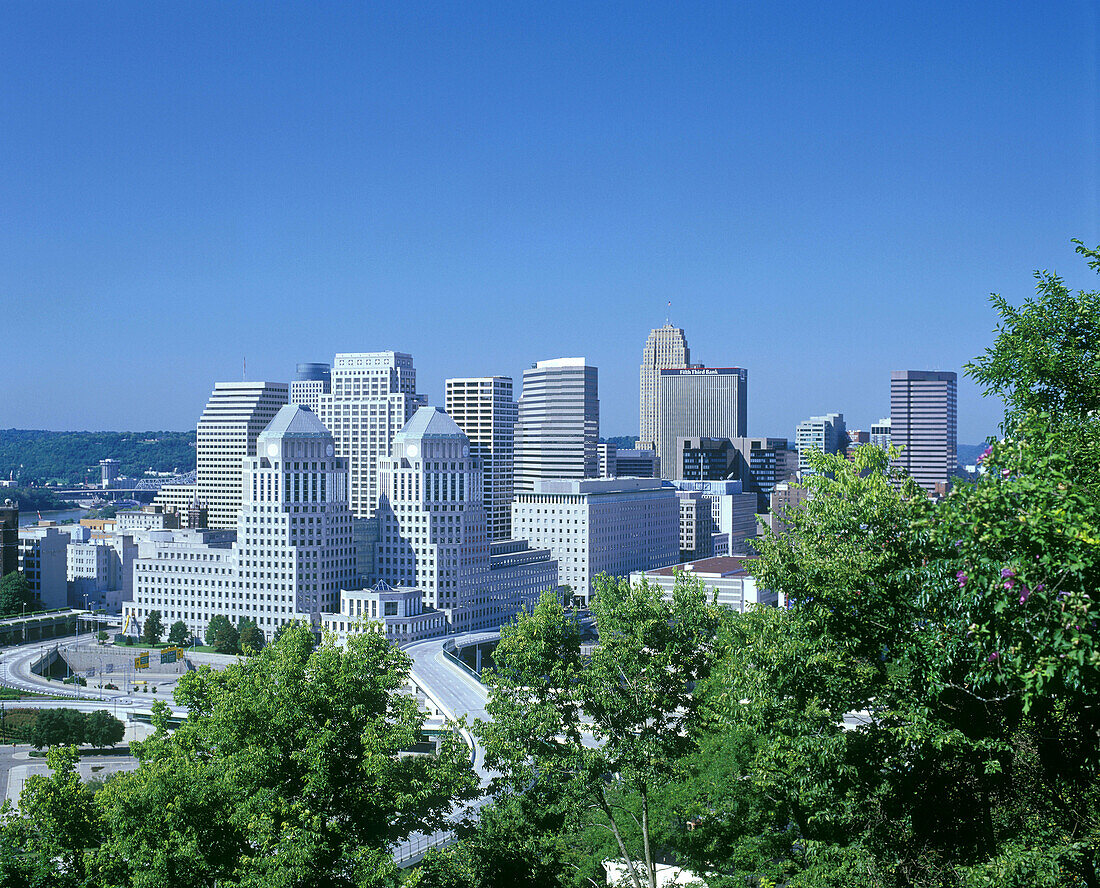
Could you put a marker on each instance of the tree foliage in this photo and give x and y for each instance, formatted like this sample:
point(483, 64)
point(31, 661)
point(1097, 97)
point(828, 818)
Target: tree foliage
point(222, 635)
point(153, 628)
point(178, 634)
point(251, 638)
point(16, 595)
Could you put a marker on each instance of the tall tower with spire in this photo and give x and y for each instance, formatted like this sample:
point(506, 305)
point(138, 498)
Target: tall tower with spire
point(665, 349)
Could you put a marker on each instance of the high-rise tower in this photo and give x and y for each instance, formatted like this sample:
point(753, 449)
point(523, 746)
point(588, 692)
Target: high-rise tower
point(483, 407)
point(665, 349)
point(310, 382)
point(373, 394)
point(233, 418)
point(923, 422)
point(294, 536)
point(558, 423)
point(432, 518)
point(697, 402)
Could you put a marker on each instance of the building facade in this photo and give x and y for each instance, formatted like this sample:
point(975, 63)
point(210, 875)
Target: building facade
point(880, 433)
point(233, 418)
point(733, 510)
point(484, 408)
point(699, 401)
point(923, 425)
point(397, 613)
point(43, 559)
point(9, 537)
point(665, 349)
point(518, 575)
point(432, 519)
point(558, 423)
point(309, 383)
point(728, 578)
point(373, 395)
point(825, 434)
point(600, 526)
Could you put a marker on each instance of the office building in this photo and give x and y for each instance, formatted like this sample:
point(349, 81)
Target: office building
point(608, 454)
point(696, 402)
point(177, 499)
point(99, 569)
point(880, 433)
point(9, 538)
point(558, 423)
point(292, 552)
point(373, 394)
point(665, 349)
point(518, 575)
point(43, 554)
point(825, 434)
point(636, 463)
point(398, 614)
point(108, 472)
point(923, 424)
point(233, 418)
point(728, 578)
point(432, 519)
point(697, 527)
point(483, 407)
point(309, 383)
point(784, 500)
point(733, 510)
point(600, 526)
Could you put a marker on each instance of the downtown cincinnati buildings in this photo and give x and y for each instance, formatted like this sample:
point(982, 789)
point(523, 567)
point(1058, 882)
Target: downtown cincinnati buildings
point(483, 407)
point(699, 402)
point(923, 424)
point(666, 348)
point(558, 423)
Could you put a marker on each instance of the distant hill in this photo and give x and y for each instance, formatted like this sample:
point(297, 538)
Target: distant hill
point(968, 453)
point(39, 457)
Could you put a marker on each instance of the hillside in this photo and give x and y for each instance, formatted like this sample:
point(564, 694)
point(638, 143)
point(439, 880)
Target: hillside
point(38, 457)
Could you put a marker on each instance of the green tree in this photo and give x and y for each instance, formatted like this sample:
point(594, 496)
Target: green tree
point(62, 820)
point(103, 729)
point(153, 629)
point(251, 638)
point(177, 635)
point(222, 635)
point(15, 594)
point(55, 727)
point(1046, 357)
point(287, 771)
point(102, 636)
point(594, 742)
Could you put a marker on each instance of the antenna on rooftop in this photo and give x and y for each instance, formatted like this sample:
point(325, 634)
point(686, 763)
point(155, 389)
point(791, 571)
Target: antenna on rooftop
point(669, 313)
point(244, 369)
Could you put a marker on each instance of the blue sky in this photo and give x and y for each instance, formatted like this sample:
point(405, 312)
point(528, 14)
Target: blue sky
point(825, 192)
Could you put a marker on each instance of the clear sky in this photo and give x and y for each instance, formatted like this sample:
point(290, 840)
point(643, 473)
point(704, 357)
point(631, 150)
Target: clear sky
point(824, 191)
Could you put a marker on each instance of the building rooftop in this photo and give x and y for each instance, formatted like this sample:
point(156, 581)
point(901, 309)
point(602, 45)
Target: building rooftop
point(295, 421)
point(719, 566)
point(431, 422)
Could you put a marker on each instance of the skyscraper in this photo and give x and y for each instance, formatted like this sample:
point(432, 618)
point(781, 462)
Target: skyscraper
point(373, 394)
point(825, 434)
point(483, 407)
point(697, 402)
point(233, 418)
point(665, 349)
point(923, 422)
point(432, 518)
point(310, 382)
point(558, 423)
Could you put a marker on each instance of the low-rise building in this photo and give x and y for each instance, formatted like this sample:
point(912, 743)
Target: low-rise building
point(728, 577)
point(398, 613)
point(43, 553)
point(600, 527)
point(518, 575)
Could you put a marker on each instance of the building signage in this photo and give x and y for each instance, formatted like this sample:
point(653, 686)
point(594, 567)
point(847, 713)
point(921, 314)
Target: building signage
point(705, 371)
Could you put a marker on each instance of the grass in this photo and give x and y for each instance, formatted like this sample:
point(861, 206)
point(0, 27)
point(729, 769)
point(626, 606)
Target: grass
point(13, 694)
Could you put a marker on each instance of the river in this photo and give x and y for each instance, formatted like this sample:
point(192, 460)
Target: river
point(28, 518)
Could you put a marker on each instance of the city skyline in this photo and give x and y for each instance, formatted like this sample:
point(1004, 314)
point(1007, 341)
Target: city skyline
point(485, 188)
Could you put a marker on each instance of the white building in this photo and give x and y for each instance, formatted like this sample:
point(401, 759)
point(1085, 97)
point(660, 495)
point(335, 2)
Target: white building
point(373, 395)
point(43, 559)
point(518, 575)
point(397, 613)
point(294, 550)
point(558, 423)
point(102, 569)
point(600, 526)
point(733, 512)
point(665, 349)
point(310, 382)
point(483, 407)
point(177, 498)
point(726, 577)
point(150, 518)
point(825, 434)
point(432, 519)
point(880, 433)
point(233, 418)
